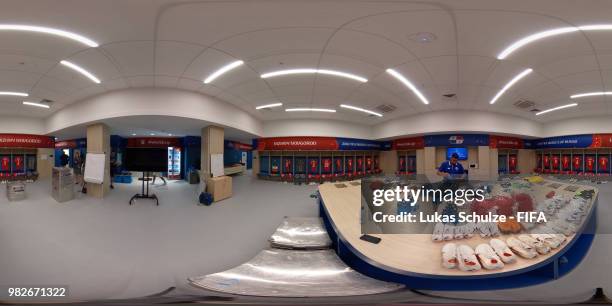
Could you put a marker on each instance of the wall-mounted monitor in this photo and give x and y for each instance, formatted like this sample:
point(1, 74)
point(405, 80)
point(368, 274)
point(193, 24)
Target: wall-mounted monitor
point(462, 152)
point(146, 160)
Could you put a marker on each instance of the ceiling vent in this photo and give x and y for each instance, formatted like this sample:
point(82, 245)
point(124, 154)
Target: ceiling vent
point(449, 97)
point(524, 104)
point(385, 108)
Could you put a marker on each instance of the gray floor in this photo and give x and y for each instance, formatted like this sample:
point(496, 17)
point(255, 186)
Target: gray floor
point(108, 249)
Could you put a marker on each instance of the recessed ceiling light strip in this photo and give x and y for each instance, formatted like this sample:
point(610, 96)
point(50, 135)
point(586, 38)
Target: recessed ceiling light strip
point(326, 110)
point(313, 71)
point(556, 108)
point(544, 34)
point(36, 104)
point(590, 94)
point(81, 70)
point(12, 93)
point(76, 37)
point(269, 105)
point(509, 84)
point(361, 110)
point(408, 84)
point(222, 71)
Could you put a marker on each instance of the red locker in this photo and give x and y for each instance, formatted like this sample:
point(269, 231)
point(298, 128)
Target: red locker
point(546, 162)
point(313, 163)
point(577, 163)
point(565, 163)
point(512, 161)
point(402, 164)
point(590, 163)
point(602, 164)
point(287, 167)
point(5, 164)
point(555, 162)
point(338, 165)
point(327, 165)
point(18, 164)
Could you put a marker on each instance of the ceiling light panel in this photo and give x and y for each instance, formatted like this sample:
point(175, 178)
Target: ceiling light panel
point(408, 84)
point(359, 109)
point(81, 70)
point(304, 109)
point(591, 94)
point(231, 66)
point(549, 33)
point(556, 108)
point(51, 31)
point(13, 93)
point(269, 105)
point(314, 71)
point(517, 78)
point(36, 104)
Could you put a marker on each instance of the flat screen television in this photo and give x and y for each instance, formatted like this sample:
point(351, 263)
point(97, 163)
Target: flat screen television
point(462, 152)
point(146, 159)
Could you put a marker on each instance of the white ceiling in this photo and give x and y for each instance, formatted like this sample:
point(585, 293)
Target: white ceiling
point(177, 44)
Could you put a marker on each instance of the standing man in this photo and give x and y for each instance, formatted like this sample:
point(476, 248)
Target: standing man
point(451, 169)
point(64, 159)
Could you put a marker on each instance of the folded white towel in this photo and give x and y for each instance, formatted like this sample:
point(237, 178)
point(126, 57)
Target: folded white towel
point(488, 258)
point(449, 256)
point(502, 250)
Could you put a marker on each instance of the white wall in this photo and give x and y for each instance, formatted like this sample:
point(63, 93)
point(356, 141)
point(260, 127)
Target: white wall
point(457, 121)
point(180, 103)
point(584, 125)
point(316, 127)
point(22, 125)
point(154, 101)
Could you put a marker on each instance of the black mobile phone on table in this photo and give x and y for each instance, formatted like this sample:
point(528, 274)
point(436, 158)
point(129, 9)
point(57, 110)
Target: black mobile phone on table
point(370, 239)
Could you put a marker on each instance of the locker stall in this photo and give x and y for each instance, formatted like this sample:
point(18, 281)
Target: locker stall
point(566, 162)
point(287, 163)
point(264, 166)
point(275, 164)
point(588, 161)
point(326, 166)
point(317, 159)
point(577, 165)
point(507, 161)
point(314, 167)
point(317, 166)
point(406, 162)
point(603, 162)
point(19, 156)
point(18, 164)
point(349, 166)
point(299, 170)
point(339, 173)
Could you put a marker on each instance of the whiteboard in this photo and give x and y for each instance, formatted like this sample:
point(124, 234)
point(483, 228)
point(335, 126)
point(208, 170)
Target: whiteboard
point(216, 165)
point(94, 168)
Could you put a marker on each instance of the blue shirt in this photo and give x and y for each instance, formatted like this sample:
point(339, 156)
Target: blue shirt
point(450, 168)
